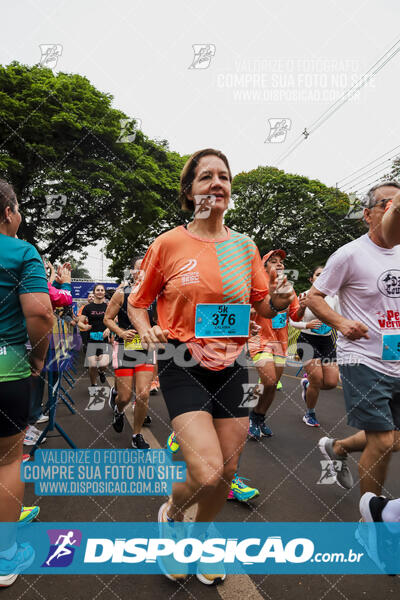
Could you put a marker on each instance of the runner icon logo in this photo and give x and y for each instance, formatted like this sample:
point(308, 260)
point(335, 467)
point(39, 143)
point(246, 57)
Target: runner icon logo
point(251, 394)
point(203, 204)
point(63, 543)
point(278, 130)
point(329, 468)
point(203, 54)
point(389, 283)
point(50, 54)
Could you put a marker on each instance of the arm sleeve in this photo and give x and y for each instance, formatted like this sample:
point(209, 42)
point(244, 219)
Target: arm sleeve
point(298, 324)
point(33, 276)
point(294, 307)
point(151, 280)
point(85, 310)
point(259, 279)
point(335, 273)
point(59, 297)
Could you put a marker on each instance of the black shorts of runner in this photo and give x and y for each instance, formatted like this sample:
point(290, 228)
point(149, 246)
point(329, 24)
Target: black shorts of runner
point(14, 406)
point(316, 346)
point(194, 388)
point(97, 349)
point(127, 362)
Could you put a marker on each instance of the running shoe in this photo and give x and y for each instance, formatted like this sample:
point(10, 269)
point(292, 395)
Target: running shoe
point(102, 376)
point(147, 421)
point(211, 578)
point(265, 430)
point(10, 569)
point(42, 419)
point(172, 443)
point(111, 398)
point(279, 385)
point(344, 478)
point(254, 432)
point(155, 387)
point(310, 419)
point(240, 491)
point(304, 385)
point(32, 435)
point(170, 529)
point(380, 543)
point(118, 420)
point(139, 443)
point(28, 514)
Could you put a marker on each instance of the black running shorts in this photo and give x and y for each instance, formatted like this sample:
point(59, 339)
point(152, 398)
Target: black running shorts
point(320, 346)
point(14, 406)
point(186, 389)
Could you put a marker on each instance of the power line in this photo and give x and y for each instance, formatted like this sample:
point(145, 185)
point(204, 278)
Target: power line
point(361, 177)
point(367, 165)
point(341, 101)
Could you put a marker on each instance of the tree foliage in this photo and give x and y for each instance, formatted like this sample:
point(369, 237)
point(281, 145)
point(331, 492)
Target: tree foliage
point(302, 216)
point(60, 142)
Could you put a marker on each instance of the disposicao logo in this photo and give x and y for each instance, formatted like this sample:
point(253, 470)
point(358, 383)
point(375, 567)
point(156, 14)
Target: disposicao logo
point(63, 543)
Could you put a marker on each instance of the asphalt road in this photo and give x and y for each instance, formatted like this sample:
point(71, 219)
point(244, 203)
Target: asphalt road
point(285, 468)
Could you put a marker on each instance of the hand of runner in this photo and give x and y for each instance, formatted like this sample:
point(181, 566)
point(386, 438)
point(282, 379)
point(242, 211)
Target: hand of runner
point(155, 336)
point(280, 291)
point(106, 333)
point(353, 330)
point(36, 365)
point(314, 324)
point(128, 335)
point(254, 328)
point(302, 300)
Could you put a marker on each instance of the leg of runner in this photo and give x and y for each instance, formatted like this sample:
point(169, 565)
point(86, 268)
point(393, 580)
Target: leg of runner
point(320, 377)
point(143, 376)
point(142, 389)
point(124, 380)
point(269, 373)
point(200, 439)
point(374, 460)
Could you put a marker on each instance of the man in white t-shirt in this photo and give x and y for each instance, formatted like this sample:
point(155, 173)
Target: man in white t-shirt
point(366, 276)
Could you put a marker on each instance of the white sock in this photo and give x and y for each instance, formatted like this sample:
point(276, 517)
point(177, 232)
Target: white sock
point(9, 554)
point(391, 514)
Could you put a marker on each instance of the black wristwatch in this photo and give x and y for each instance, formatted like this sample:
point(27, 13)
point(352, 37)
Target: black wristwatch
point(272, 307)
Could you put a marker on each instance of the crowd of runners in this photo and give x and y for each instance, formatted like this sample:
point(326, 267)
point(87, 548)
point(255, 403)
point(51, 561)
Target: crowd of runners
point(199, 309)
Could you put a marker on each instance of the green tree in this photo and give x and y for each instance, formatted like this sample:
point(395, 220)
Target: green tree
point(302, 216)
point(75, 174)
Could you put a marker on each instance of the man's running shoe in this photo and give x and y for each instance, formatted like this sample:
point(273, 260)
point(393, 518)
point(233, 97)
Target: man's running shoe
point(111, 398)
point(254, 432)
point(28, 514)
point(240, 491)
point(172, 443)
point(344, 478)
point(304, 385)
point(139, 443)
point(42, 419)
point(380, 543)
point(170, 529)
point(32, 435)
point(102, 376)
point(155, 387)
point(147, 421)
point(310, 419)
point(208, 578)
point(279, 385)
point(118, 420)
point(10, 569)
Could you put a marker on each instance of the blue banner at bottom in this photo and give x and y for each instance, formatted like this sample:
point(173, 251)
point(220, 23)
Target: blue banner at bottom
point(252, 548)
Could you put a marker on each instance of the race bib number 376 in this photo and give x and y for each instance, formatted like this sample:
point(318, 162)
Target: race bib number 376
point(222, 320)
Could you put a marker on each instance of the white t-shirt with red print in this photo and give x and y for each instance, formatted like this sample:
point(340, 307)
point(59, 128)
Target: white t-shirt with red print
point(366, 278)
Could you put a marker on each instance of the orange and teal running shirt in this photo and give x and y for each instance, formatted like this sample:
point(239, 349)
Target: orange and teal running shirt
point(184, 270)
